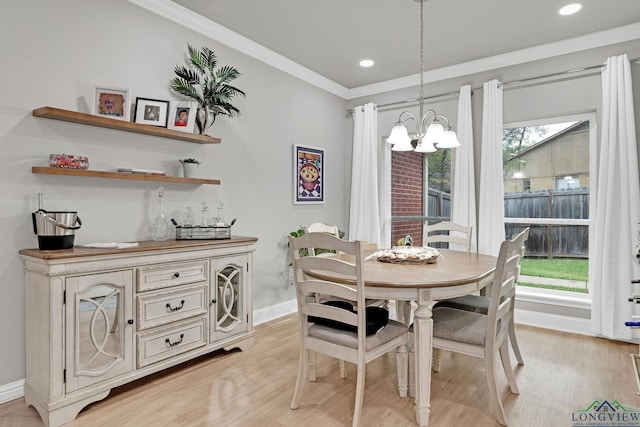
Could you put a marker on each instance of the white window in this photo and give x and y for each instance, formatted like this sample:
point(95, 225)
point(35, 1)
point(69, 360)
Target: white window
point(547, 165)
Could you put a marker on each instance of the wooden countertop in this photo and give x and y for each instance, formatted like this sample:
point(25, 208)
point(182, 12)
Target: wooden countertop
point(144, 246)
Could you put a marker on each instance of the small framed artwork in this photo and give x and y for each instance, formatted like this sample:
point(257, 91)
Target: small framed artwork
point(112, 102)
point(308, 175)
point(182, 115)
point(152, 112)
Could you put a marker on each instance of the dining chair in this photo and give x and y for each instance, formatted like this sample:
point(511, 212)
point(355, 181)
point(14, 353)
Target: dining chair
point(332, 329)
point(442, 232)
point(484, 335)
point(480, 304)
point(319, 227)
point(448, 232)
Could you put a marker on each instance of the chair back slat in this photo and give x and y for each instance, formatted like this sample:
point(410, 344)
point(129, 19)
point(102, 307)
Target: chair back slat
point(329, 288)
point(329, 312)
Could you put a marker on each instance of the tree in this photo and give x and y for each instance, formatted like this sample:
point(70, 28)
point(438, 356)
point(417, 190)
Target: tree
point(516, 140)
point(439, 170)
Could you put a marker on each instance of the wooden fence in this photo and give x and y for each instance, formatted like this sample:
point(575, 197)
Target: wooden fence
point(547, 240)
point(551, 240)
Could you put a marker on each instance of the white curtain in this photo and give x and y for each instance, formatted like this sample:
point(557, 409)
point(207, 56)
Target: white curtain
point(617, 207)
point(463, 204)
point(491, 194)
point(364, 218)
point(384, 191)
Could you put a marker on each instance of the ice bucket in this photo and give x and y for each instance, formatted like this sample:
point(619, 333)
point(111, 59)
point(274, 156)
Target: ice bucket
point(55, 229)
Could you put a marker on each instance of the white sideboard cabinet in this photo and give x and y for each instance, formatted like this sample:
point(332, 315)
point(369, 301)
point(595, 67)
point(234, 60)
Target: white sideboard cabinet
point(100, 318)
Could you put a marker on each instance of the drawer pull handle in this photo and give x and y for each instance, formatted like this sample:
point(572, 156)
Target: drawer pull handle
point(176, 274)
point(179, 307)
point(213, 301)
point(130, 321)
point(173, 344)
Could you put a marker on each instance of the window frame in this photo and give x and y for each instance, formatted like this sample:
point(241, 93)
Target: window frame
point(550, 296)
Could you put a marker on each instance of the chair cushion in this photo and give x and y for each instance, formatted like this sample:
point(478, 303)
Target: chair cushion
point(459, 325)
point(349, 339)
point(377, 318)
point(475, 303)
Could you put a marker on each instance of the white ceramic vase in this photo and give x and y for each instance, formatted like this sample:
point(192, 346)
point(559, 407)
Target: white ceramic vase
point(190, 170)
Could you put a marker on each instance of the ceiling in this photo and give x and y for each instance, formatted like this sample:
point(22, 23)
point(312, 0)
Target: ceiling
point(330, 37)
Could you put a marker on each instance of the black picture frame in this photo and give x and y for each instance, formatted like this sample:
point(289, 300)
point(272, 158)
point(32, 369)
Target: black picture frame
point(153, 112)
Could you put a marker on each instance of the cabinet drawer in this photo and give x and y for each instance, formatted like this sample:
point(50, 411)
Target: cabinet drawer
point(166, 342)
point(167, 275)
point(159, 308)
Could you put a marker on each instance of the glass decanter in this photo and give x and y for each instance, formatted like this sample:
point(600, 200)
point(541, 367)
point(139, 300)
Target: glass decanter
point(161, 229)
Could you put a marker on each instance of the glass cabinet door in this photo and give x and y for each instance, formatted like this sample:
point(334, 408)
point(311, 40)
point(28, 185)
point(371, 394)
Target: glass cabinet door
point(99, 327)
point(227, 296)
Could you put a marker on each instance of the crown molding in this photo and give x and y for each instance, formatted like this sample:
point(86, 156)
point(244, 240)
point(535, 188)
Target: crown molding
point(186, 17)
point(208, 28)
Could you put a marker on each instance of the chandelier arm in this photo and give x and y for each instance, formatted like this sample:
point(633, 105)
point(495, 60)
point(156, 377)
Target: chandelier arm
point(428, 115)
point(411, 117)
point(443, 117)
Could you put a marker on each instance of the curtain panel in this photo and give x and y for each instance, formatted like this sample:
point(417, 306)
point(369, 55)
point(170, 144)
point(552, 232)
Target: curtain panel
point(364, 212)
point(463, 189)
point(491, 195)
point(612, 262)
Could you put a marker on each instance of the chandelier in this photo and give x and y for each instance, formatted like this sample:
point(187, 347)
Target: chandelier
point(430, 133)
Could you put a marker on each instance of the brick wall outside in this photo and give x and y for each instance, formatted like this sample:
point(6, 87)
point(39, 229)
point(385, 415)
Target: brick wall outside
point(406, 194)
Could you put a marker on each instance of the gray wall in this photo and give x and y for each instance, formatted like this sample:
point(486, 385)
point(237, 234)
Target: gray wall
point(54, 52)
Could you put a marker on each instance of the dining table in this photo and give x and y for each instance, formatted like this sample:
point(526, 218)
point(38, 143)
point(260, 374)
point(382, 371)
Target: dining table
point(454, 273)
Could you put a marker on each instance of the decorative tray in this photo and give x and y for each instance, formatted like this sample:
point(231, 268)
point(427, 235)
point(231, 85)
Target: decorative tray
point(408, 255)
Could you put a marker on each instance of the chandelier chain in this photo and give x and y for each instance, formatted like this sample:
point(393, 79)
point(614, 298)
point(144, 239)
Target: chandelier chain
point(421, 49)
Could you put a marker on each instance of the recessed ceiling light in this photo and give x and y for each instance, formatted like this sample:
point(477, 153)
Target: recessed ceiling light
point(366, 63)
point(570, 9)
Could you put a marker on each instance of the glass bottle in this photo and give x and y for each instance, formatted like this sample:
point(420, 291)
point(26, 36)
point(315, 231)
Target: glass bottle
point(188, 222)
point(203, 218)
point(161, 229)
point(220, 219)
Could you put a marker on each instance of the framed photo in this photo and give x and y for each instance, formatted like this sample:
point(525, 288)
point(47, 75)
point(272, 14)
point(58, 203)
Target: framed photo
point(152, 112)
point(112, 102)
point(182, 115)
point(308, 175)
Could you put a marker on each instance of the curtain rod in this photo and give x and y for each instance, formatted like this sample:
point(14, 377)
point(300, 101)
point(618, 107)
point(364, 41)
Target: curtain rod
point(391, 105)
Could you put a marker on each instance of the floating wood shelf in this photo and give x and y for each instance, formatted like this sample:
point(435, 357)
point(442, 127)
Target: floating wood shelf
point(121, 175)
point(106, 122)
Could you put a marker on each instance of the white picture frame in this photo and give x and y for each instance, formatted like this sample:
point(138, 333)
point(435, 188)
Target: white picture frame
point(177, 120)
point(308, 173)
point(112, 102)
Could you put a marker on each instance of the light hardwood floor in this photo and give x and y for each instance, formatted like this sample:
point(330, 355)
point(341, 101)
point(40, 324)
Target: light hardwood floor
point(562, 373)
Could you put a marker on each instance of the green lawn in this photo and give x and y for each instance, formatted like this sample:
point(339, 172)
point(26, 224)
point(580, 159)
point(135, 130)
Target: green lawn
point(557, 268)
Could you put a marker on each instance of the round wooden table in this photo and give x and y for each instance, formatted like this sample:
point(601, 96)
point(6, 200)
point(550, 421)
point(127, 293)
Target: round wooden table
point(455, 273)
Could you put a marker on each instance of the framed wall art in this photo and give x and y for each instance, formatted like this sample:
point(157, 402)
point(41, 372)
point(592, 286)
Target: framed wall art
point(308, 175)
point(112, 102)
point(182, 115)
point(151, 112)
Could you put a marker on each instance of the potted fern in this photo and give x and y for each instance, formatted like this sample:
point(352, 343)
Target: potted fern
point(208, 85)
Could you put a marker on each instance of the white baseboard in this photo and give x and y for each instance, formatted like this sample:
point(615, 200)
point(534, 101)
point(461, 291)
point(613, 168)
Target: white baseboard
point(554, 322)
point(11, 391)
point(263, 315)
